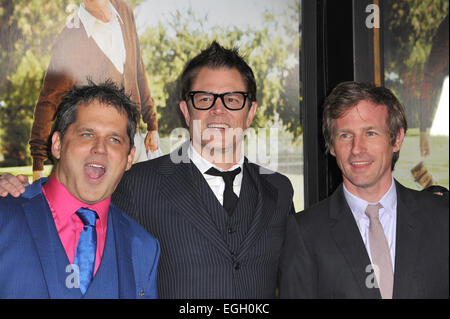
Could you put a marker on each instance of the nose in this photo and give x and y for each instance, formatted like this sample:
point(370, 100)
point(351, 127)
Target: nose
point(99, 146)
point(358, 145)
point(218, 106)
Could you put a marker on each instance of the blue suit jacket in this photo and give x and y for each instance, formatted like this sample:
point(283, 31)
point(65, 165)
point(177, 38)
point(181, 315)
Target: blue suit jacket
point(33, 263)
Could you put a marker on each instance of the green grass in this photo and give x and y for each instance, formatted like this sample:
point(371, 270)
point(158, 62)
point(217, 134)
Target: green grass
point(437, 163)
point(25, 170)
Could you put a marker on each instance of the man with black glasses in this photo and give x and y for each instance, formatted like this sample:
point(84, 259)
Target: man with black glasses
point(220, 220)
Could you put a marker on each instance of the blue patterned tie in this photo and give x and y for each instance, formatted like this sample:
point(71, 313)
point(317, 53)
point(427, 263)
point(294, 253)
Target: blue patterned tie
point(86, 248)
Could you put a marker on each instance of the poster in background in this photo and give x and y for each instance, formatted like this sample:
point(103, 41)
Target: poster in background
point(169, 34)
point(416, 68)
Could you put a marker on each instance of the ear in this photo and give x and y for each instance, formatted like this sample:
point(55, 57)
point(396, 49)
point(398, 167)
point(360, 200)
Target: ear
point(130, 158)
point(184, 109)
point(251, 114)
point(399, 140)
point(56, 145)
point(332, 152)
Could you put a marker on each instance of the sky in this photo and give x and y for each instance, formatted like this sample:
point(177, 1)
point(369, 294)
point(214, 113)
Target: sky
point(440, 123)
point(243, 13)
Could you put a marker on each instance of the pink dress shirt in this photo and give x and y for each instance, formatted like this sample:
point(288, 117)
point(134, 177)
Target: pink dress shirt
point(63, 206)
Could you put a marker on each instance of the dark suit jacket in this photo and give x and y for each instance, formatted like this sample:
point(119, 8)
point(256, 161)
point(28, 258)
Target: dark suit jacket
point(325, 256)
point(196, 262)
point(33, 263)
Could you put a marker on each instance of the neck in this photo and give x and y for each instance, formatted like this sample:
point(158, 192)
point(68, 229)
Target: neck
point(221, 158)
point(103, 13)
point(370, 193)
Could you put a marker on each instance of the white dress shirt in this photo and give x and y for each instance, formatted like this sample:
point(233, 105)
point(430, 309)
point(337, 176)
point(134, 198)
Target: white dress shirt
point(107, 35)
point(388, 217)
point(216, 183)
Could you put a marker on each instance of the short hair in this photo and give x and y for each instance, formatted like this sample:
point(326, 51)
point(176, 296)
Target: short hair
point(215, 57)
point(347, 94)
point(106, 93)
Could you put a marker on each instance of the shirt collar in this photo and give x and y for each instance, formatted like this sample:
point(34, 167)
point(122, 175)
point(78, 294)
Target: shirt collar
point(359, 205)
point(64, 204)
point(89, 20)
point(203, 165)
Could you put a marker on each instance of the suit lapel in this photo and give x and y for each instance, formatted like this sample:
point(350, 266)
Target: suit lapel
point(265, 208)
point(345, 232)
point(407, 243)
point(43, 231)
point(182, 192)
point(125, 273)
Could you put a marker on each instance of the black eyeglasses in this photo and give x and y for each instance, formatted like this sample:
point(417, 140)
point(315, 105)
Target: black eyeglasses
point(233, 101)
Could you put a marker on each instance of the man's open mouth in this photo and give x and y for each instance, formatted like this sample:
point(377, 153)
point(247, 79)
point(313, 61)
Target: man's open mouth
point(94, 170)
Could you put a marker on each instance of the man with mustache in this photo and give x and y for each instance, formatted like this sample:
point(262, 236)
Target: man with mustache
point(219, 218)
point(373, 237)
point(62, 238)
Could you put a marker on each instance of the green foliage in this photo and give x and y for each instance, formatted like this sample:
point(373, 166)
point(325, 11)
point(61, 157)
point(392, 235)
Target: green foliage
point(410, 27)
point(16, 118)
point(133, 3)
point(27, 29)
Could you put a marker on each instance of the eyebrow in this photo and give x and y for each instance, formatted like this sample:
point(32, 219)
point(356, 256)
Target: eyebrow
point(85, 129)
point(363, 128)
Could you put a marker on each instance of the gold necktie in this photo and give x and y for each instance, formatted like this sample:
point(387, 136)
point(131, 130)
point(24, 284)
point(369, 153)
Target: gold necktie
point(379, 249)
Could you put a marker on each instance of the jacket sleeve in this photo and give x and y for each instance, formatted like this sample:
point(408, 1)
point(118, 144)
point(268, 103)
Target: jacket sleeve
point(54, 86)
point(148, 112)
point(297, 270)
point(151, 282)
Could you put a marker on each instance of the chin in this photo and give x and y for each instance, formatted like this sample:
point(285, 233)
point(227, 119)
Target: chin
point(220, 148)
point(92, 198)
point(362, 183)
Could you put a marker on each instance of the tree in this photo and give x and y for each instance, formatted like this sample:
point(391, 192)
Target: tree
point(410, 26)
point(27, 29)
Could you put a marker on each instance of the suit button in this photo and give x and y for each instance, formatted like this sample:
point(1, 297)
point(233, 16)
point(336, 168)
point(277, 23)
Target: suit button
point(237, 265)
point(230, 230)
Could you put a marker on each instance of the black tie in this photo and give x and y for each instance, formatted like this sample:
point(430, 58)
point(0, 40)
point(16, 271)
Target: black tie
point(229, 197)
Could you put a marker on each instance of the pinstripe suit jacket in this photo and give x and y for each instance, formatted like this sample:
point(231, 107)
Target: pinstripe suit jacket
point(167, 196)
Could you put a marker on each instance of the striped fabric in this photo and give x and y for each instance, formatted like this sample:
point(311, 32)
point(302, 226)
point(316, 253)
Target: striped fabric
point(204, 253)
